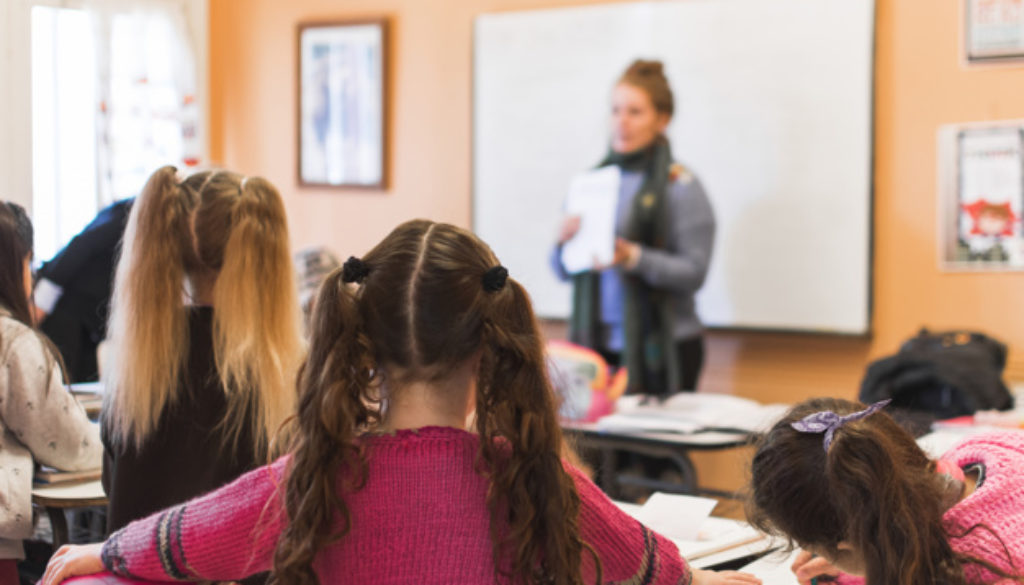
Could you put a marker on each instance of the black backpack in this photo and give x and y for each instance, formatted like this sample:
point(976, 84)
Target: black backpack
point(940, 375)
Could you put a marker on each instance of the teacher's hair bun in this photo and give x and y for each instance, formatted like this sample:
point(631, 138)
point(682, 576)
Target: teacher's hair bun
point(650, 77)
point(642, 68)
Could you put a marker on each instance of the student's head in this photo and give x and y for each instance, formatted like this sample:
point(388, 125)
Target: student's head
point(312, 266)
point(642, 106)
point(871, 503)
point(428, 302)
point(15, 258)
point(223, 238)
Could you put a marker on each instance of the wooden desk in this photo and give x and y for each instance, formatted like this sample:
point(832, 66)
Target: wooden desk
point(672, 446)
point(57, 498)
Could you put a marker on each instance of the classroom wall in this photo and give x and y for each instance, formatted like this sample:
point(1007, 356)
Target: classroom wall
point(920, 84)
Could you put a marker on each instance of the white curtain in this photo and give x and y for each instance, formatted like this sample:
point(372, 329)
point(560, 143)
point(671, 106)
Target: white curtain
point(147, 108)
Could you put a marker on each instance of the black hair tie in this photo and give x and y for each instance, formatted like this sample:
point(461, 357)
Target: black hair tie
point(354, 270)
point(495, 278)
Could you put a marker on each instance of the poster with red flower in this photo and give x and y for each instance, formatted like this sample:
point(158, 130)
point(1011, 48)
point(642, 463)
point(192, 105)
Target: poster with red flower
point(989, 198)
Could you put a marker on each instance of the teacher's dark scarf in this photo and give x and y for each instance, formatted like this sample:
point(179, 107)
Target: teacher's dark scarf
point(649, 353)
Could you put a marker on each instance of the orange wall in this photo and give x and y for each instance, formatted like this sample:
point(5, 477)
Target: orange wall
point(920, 84)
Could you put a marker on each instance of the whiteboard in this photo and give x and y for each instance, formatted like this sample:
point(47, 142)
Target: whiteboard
point(773, 114)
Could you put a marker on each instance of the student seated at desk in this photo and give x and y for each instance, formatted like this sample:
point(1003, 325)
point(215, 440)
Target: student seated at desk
point(40, 421)
point(848, 484)
point(205, 340)
point(383, 483)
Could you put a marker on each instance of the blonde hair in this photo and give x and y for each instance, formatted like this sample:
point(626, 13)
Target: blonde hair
point(214, 224)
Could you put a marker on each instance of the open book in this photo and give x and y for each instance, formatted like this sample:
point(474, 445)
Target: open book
point(686, 522)
point(691, 412)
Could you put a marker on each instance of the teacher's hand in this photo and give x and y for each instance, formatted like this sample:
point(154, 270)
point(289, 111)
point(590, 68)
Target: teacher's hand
point(570, 225)
point(626, 255)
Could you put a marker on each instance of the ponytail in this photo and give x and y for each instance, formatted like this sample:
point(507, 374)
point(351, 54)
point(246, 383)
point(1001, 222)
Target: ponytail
point(534, 500)
point(429, 302)
point(212, 227)
point(882, 485)
point(256, 332)
point(874, 489)
point(148, 328)
point(15, 245)
point(334, 407)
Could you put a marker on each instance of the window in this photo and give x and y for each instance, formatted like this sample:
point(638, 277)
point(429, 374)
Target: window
point(116, 91)
point(63, 126)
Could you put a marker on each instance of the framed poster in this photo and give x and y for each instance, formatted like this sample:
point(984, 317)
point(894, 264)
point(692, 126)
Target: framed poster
point(342, 113)
point(984, 203)
point(993, 30)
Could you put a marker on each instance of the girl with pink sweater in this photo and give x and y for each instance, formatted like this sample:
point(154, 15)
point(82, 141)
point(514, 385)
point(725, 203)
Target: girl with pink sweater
point(423, 338)
point(854, 490)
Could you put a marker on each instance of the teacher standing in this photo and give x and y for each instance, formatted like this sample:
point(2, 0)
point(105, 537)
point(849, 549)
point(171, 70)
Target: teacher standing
point(639, 312)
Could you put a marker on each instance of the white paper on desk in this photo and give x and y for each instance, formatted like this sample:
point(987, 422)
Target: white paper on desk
point(648, 423)
point(87, 387)
point(936, 443)
point(593, 196)
point(693, 411)
point(774, 569)
point(716, 535)
point(675, 516)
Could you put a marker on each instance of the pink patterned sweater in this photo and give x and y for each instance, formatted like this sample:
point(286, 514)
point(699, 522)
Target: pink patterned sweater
point(421, 518)
point(998, 503)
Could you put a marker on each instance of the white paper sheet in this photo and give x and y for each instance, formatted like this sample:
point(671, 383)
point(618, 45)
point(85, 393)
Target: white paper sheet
point(593, 196)
point(716, 535)
point(713, 537)
point(675, 516)
point(774, 569)
point(690, 412)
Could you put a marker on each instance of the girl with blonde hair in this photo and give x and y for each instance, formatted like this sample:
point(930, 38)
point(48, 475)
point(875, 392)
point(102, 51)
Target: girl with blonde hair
point(205, 340)
point(384, 484)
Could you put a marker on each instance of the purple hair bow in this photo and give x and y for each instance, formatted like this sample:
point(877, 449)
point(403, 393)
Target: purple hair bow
point(827, 421)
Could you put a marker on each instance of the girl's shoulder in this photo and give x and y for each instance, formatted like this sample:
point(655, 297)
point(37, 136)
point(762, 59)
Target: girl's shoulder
point(18, 337)
point(685, 189)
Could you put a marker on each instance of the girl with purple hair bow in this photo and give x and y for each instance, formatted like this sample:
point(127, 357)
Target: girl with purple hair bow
point(853, 489)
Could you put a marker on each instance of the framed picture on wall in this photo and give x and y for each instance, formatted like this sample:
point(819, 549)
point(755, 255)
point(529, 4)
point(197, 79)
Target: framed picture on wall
point(982, 199)
point(342, 99)
point(993, 30)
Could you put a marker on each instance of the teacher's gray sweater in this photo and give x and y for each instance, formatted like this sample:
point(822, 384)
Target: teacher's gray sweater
point(679, 268)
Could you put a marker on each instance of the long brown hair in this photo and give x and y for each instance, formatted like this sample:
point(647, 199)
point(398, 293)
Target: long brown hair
point(874, 489)
point(213, 224)
point(422, 310)
point(15, 245)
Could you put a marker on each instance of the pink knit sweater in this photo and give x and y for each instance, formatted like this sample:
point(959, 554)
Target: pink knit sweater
point(998, 503)
point(421, 518)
